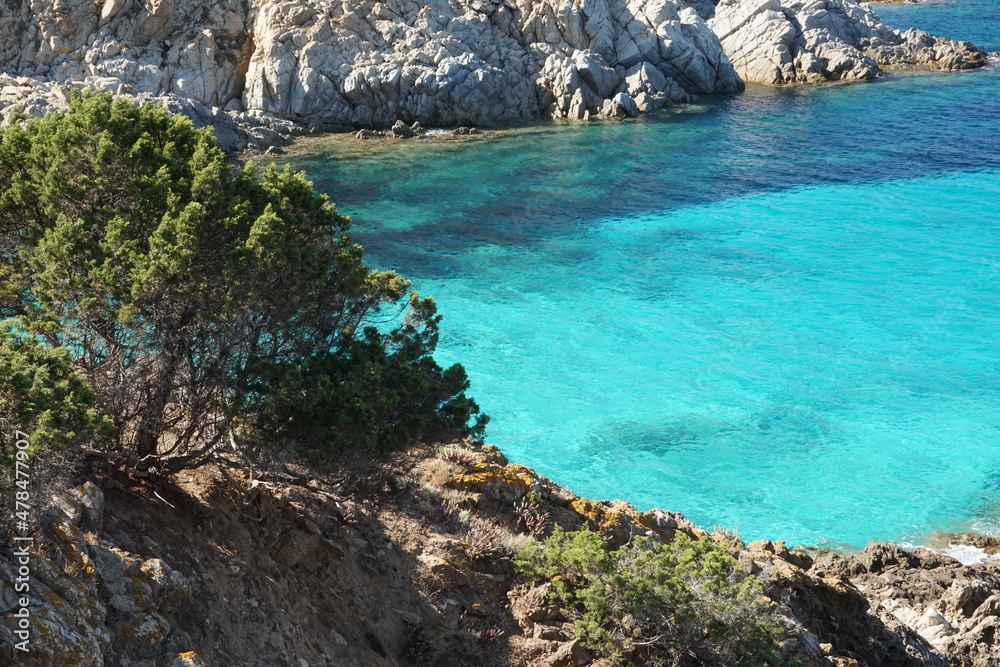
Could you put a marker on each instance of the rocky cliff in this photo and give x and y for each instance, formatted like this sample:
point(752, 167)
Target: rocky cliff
point(807, 41)
point(406, 562)
point(260, 70)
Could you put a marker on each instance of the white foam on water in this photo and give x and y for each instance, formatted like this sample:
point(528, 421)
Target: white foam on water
point(967, 554)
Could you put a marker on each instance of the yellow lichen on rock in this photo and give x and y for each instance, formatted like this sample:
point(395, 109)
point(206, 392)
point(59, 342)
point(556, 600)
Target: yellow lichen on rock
point(91, 601)
point(496, 481)
point(186, 659)
point(493, 479)
point(604, 519)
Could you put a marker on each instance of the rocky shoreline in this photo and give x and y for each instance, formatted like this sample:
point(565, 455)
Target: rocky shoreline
point(382, 564)
point(264, 73)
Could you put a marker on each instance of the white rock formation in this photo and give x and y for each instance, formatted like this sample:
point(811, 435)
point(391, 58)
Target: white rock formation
point(804, 41)
point(367, 63)
point(472, 62)
point(258, 69)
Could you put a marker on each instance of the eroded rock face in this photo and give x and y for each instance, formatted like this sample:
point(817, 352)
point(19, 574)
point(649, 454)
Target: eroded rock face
point(367, 64)
point(323, 572)
point(932, 608)
point(88, 602)
point(805, 41)
point(473, 62)
point(249, 68)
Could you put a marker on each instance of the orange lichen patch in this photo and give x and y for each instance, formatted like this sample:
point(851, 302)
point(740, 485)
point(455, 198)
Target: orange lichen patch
point(88, 494)
point(777, 548)
point(78, 560)
point(618, 520)
point(496, 481)
point(73, 547)
point(186, 659)
point(639, 518)
point(64, 528)
point(604, 519)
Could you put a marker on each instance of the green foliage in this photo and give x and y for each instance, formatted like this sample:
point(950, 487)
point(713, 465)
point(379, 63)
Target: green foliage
point(40, 394)
point(648, 602)
point(204, 302)
point(385, 391)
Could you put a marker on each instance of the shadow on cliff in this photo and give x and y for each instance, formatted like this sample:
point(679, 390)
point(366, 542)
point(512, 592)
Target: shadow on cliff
point(286, 569)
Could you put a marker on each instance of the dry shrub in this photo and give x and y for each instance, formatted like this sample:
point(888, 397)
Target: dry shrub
point(458, 456)
point(487, 541)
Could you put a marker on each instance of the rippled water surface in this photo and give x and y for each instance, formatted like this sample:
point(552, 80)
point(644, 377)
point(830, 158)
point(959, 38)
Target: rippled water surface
point(776, 311)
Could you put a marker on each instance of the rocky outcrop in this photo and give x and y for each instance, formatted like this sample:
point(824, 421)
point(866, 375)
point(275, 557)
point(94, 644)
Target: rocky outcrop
point(261, 71)
point(942, 612)
point(89, 601)
point(882, 606)
point(474, 62)
point(295, 567)
point(366, 64)
point(807, 41)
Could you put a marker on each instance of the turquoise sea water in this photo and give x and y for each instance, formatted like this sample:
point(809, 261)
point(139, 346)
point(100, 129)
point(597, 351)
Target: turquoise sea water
point(776, 311)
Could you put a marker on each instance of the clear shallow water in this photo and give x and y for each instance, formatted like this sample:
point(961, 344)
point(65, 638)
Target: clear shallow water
point(776, 311)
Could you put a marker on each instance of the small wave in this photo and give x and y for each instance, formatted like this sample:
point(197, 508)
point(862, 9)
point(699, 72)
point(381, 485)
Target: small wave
point(967, 554)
